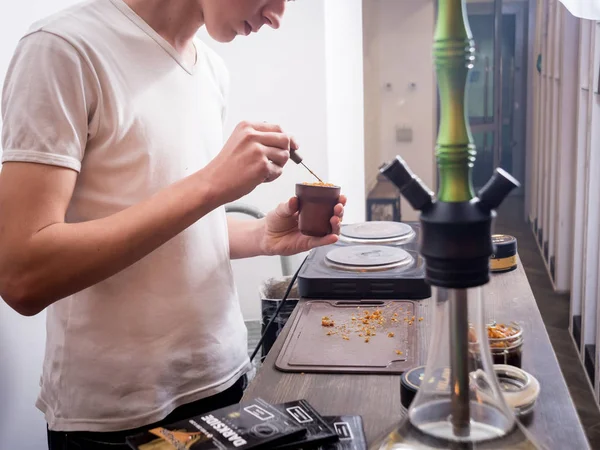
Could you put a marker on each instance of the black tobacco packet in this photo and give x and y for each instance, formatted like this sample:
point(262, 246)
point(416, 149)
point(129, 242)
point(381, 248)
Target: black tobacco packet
point(254, 424)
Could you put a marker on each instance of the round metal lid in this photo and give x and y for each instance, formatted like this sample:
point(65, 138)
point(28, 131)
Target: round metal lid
point(377, 230)
point(368, 257)
point(519, 388)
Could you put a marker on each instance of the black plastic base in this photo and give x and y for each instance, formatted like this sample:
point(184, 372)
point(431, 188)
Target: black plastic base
point(457, 244)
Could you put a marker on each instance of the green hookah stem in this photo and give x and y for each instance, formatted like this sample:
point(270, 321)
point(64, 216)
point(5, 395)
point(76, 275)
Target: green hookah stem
point(453, 52)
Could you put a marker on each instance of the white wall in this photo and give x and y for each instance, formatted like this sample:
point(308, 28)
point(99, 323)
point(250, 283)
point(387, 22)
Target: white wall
point(372, 68)
point(310, 84)
point(278, 76)
point(345, 101)
point(398, 36)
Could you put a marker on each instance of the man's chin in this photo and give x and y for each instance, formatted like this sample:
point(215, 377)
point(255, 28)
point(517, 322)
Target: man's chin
point(222, 37)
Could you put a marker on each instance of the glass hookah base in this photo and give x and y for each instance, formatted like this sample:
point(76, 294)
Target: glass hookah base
point(405, 436)
point(486, 422)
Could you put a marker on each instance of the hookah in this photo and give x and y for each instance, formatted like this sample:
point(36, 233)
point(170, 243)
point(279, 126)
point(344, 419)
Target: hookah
point(459, 404)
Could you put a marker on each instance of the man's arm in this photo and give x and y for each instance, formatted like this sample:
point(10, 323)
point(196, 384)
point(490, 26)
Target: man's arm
point(246, 238)
point(43, 259)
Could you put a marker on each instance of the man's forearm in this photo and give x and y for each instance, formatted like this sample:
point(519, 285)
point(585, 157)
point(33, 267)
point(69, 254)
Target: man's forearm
point(245, 238)
point(64, 258)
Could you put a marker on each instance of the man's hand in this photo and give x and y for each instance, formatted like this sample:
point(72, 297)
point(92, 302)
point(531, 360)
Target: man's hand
point(255, 153)
point(282, 237)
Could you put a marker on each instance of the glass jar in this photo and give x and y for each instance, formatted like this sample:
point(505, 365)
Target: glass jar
point(505, 343)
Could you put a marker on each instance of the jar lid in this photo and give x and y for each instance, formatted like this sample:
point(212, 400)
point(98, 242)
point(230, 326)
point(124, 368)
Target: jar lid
point(519, 388)
point(504, 246)
point(410, 381)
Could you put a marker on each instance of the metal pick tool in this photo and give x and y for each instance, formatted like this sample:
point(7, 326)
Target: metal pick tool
point(295, 156)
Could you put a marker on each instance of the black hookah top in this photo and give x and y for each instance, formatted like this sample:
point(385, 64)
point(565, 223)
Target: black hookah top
point(456, 239)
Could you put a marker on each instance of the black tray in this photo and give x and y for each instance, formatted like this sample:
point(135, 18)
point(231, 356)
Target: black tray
point(308, 347)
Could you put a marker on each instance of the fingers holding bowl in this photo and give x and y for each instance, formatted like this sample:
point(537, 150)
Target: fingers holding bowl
point(336, 225)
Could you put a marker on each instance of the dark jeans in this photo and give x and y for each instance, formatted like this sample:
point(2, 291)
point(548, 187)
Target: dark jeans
point(58, 440)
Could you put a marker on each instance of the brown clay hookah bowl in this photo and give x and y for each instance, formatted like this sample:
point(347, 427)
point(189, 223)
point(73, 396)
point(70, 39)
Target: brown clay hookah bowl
point(316, 203)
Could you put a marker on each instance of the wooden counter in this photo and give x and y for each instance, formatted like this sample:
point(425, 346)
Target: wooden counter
point(377, 397)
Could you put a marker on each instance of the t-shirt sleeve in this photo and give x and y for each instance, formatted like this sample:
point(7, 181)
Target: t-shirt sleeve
point(48, 101)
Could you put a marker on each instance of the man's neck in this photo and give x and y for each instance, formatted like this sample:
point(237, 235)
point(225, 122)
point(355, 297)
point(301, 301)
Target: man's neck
point(177, 22)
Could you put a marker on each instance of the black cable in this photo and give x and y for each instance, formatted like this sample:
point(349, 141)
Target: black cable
point(281, 303)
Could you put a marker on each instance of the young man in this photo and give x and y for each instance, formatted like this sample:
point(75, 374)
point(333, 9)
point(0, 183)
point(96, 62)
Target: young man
point(112, 218)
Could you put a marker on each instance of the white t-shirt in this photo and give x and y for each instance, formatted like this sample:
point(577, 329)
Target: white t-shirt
point(96, 90)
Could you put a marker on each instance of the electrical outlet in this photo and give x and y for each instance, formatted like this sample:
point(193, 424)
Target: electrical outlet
point(404, 133)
